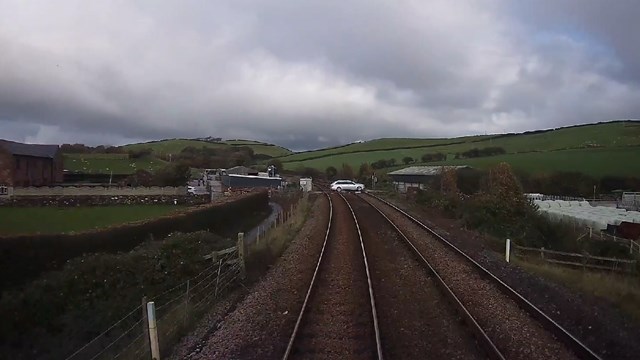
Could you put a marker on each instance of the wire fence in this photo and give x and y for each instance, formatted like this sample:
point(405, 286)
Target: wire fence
point(176, 310)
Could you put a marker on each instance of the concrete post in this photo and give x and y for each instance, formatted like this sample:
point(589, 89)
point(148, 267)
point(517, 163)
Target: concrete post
point(507, 252)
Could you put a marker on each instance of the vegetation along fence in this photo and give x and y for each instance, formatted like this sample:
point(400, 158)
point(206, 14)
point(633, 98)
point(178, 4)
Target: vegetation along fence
point(634, 247)
point(584, 261)
point(153, 327)
point(23, 257)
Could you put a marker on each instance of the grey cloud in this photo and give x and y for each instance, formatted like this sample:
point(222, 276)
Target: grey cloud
point(310, 74)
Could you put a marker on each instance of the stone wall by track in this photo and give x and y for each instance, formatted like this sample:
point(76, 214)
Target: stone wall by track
point(99, 191)
point(96, 200)
point(63, 196)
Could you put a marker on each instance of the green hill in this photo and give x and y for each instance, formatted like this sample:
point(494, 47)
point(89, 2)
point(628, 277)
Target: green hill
point(174, 146)
point(610, 148)
point(595, 149)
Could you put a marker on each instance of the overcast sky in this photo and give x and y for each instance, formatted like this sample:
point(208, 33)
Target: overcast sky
point(309, 74)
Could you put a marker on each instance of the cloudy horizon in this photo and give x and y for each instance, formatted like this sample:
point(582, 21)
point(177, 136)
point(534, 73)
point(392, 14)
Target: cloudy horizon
point(306, 75)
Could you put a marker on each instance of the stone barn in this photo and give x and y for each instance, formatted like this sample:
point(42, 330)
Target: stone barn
point(29, 164)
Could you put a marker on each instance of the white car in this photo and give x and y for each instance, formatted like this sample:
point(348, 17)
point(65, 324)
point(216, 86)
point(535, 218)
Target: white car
point(340, 185)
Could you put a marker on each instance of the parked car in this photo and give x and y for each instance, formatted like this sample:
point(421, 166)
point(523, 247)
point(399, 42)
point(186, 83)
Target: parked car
point(340, 185)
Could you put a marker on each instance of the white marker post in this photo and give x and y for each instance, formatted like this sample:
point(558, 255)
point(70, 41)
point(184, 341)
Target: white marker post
point(507, 251)
point(153, 331)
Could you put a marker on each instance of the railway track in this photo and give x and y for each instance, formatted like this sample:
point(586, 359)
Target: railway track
point(416, 319)
point(338, 318)
point(505, 324)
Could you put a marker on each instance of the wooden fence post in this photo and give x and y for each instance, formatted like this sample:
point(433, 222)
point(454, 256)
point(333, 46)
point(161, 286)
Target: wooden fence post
point(241, 254)
point(215, 294)
point(186, 305)
point(153, 331)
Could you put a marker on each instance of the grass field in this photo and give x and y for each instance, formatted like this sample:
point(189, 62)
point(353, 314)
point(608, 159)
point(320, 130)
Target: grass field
point(596, 162)
point(622, 291)
point(49, 220)
point(616, 134)
point(106, 163)
point(175, 146)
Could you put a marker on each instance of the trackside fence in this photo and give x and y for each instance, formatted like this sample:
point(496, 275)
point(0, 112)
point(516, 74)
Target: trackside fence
point(575, 260)
point(172, 312)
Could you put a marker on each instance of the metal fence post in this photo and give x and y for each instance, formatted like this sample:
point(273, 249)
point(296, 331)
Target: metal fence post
point(153, 331)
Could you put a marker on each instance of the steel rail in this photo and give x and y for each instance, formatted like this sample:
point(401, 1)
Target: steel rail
point(311, 285)
point(374, 313)
point(297, 326)
point(580, 349)
point(487, 344)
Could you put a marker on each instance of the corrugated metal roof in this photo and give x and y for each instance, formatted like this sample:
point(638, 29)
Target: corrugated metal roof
point(35, 150)
point(424, 170)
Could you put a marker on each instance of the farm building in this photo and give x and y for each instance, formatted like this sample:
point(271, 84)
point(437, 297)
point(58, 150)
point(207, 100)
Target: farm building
point(250, 181)
point(417, 176)
point(599, 218)
point(29, 164)
point(240, 170)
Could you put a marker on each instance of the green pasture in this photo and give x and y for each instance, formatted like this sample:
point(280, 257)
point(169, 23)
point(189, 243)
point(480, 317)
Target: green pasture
point(596, 162)
point(616, 134)
point(51, 220)
point(101, 164)
point(175, 146)
point(172, 146)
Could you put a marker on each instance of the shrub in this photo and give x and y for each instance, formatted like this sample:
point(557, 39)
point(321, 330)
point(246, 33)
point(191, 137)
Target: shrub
point(62, 310)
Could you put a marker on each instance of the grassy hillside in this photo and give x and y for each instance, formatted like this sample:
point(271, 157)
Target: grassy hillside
point(598, 149)
point(172, 146)
point(377, 145)
point(175, 146)
point(106, 163)
point(592, 162)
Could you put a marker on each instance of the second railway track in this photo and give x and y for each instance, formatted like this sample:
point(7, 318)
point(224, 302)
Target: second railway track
point(513, 326)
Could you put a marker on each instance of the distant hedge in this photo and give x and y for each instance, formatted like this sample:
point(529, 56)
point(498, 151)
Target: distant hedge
point(24, 257)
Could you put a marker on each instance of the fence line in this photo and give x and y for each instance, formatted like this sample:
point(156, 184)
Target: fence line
point(586, 260)
point(633, 245)
point(189, 301)
point(174, 315)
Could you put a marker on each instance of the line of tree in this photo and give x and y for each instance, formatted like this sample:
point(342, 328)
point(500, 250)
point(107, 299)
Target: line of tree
point(212, 158)
point(382, 163)
point(429, 157)
point(476, 152)
point(84, 149)
point(561, 183)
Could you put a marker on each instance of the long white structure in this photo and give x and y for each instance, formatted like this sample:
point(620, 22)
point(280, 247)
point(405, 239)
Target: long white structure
point(582, 213)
